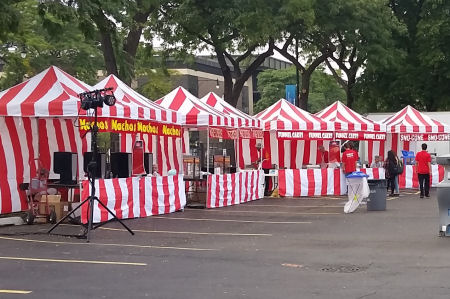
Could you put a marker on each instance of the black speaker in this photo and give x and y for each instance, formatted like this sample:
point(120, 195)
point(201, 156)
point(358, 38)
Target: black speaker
point(65, 164)
point(121, 165)
point(101, 163)
point(148, 163)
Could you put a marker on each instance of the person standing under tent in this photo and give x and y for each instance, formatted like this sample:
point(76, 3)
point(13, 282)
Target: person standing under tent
point(322, 157)
point(377, 163)
point(391, 165)
point(423, 168)
point(349, 159)
point(266, 165)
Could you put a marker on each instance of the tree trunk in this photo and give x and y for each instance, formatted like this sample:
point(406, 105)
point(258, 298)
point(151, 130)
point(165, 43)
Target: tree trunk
point(108, 53)
point(349, 89)
point(304, 90)
point(132, 43)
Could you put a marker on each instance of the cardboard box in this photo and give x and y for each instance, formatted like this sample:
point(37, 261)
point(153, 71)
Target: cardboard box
point(52, 200)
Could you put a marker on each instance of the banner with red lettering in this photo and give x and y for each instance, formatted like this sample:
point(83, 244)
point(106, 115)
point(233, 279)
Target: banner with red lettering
point(251, 134)
point(424, 137)
point(344, 135)
point(223, 133)
point(117, 125)
point(304, 135)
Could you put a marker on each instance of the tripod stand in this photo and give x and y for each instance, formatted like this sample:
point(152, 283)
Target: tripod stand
point(92, 166)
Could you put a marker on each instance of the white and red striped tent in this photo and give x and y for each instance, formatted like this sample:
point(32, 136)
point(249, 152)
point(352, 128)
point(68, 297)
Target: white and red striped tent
point(410, 120)
point(133, 105)
point(296, 152)
point(345, 119)
point(285, 116)
point(50, 93)
point(405, 129)
point(247, 147)
point(196, 113)
point(36, 118)
point(243, 119)
point(130, 104)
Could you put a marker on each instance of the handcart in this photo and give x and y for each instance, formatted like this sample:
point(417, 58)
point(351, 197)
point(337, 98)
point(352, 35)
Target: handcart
point(37, 189)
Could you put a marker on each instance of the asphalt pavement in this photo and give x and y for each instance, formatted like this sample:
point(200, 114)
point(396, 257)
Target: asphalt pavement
point(270, 248)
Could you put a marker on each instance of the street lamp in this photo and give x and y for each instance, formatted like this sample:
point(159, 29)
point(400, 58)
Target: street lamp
point(23, 53)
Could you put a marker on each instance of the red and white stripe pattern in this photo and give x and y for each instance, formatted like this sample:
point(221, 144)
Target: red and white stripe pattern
point(410, 180)
point(50, 93)
point(346, 119)
point(235, 188)
point(292, 154)
point(285, 116)
point(311, 182)
point(21, 141)
point(130, 104)
point(18, 148)
point(321, 182)
point(242, 119)
point(135, 197)
point(407, 120)
point(410, 120)
point(166, 150)
point(248, 153)
point(195, 112)
point(58, 135)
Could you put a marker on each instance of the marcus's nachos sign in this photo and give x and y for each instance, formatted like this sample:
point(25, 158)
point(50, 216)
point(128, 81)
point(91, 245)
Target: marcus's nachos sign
point(115, 125)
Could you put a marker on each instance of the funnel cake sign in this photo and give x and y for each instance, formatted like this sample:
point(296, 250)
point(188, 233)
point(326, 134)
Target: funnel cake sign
point(343, 135)
point(251, 134)
point(305, 135)
point(115, 125)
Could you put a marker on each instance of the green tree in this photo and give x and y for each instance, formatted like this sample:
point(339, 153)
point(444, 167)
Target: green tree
point(361, 33)
point(118, 25)
point(420, 75)
point(323, 88)
point(236, 31)
point(9, 17)
point(65, 47)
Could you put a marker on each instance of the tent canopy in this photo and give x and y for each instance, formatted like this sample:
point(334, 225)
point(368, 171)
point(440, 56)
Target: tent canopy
point(346, 119)
point(130, 104)
point(243, 119)
point(195, 112)
point(52, 92)
point(285, 116)
point(410, 120)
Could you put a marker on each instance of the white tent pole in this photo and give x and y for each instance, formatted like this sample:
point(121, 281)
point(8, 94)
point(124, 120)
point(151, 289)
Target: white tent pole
point(180, 154)
point(237, 151)
point(80, 156)
point(207, 161)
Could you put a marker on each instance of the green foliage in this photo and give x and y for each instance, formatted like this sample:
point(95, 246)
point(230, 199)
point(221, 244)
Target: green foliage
point(158, 84)
point(66, 48)
point(419, 75)
point(323, 90)
point(9, 17)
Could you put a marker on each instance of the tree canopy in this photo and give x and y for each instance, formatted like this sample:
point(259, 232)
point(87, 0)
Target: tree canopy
point(323, 88)
point(384, 54)
point(240, 33)
point(65, 47)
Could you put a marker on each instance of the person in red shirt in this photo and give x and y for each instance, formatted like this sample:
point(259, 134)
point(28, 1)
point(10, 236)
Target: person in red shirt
point(266, 165)
point(423, 168)
point(322, 157)
point(349, 159)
